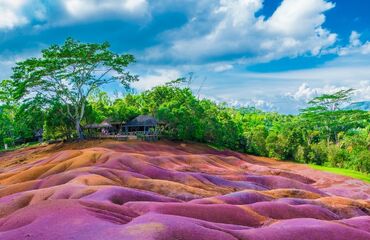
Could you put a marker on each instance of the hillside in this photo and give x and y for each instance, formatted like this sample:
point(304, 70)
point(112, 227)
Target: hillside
point(136, 190)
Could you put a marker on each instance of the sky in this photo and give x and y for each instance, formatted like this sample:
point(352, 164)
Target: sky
point(271, 54)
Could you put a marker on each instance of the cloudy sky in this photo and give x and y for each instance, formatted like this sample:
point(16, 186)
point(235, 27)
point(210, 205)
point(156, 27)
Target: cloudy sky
point(273, 54)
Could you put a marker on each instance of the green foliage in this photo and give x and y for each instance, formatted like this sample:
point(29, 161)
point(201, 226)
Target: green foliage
point(9, 141)
point(60, 91)
point(69, 73)
point(360, 161)
point(330, 102)
point(301, 154)
point(346, 172)
point(56, 125)
point(318, 153)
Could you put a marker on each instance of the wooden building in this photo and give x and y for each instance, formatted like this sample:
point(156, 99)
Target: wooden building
point(107, 127)
point(143, 124)
point(141, 127)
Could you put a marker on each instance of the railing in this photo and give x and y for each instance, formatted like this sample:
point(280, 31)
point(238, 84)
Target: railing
point(145, 136)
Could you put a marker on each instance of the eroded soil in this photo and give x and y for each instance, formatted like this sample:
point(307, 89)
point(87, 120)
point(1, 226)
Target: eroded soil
point(135, 190)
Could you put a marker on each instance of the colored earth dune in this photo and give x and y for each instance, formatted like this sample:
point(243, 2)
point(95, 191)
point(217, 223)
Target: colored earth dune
point(135, 190)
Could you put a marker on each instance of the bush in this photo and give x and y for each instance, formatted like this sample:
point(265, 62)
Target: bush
point(317, 153)
point(337, 157)
point(360, 161)
point(8, 141)
point(301, 155)
point(255, 140)
point(277, 146)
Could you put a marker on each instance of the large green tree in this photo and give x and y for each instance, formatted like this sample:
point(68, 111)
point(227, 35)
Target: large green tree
point(69, 73)
point(325, 113)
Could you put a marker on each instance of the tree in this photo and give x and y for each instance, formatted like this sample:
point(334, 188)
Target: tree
point(331, 102)
point(326, 115)
point(69, 74)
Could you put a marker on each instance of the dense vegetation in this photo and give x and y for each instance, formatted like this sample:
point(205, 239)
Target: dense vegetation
point(323, 133)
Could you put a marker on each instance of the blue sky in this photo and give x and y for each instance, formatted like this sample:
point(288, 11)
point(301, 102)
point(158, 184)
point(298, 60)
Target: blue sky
point(273, 54)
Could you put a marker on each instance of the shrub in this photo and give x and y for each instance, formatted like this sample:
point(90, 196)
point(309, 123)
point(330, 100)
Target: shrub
point(317, 153)
point(337, 157)
point(360, 161)
point(301, 154)
point(8, 141)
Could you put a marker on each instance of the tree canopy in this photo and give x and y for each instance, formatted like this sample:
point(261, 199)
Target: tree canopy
point(68, 74)
point(61, 90)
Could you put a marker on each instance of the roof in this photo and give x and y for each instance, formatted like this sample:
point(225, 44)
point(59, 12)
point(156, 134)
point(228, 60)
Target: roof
point(117, 123)
point(107, 123)
point(142, 120)
point(104, 124)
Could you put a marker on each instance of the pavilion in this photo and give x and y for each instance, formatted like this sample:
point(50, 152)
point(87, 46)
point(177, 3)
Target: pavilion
point(143, 124)
point(142, 127)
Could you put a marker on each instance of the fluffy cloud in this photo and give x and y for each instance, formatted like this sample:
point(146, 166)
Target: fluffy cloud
point(289, 91)
point(234, 30)
point(355, 46)
point(305, 92)
point(292, 102)
point(86, 9)
point(223, 67)
point(15, 13)
point(11, 12)
point(298, 17)
point(298, 25)
point(156, 78)
point(261, 104)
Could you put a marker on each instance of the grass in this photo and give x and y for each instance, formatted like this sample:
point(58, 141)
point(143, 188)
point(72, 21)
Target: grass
point(12, 148)
point(218, 148)
point(345, 172)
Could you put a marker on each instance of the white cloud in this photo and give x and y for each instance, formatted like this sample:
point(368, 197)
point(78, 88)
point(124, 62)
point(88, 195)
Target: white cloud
point(291, 102)
point(355, 46)
point(354, 39)
point(305, 93)
point(156, 78)
point(294, 29)
point(15, 13)
point(261, 104)
point(87, 9)
point(18, 13)
point(298, 17)
point(223, 67)
point(11, 12)
point(289, 91)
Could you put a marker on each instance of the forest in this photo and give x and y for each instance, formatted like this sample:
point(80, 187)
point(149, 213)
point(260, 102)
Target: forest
point(60, 92)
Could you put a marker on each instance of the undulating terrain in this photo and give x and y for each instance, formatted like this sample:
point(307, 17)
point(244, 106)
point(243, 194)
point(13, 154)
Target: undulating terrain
point(135, 190)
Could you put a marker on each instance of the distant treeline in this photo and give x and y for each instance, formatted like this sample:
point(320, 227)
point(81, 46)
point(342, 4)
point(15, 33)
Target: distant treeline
point(322, 134)
point(59, 93)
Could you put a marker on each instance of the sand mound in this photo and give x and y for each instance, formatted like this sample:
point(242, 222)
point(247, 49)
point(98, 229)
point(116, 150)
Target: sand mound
point(136, 190)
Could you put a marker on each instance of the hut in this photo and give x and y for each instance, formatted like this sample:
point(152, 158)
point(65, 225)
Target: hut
point(96, 129)
point(116, 126)
point(141, 127)
point(142, 124)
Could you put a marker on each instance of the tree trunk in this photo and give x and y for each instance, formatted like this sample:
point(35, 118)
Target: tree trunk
point(78, 130)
